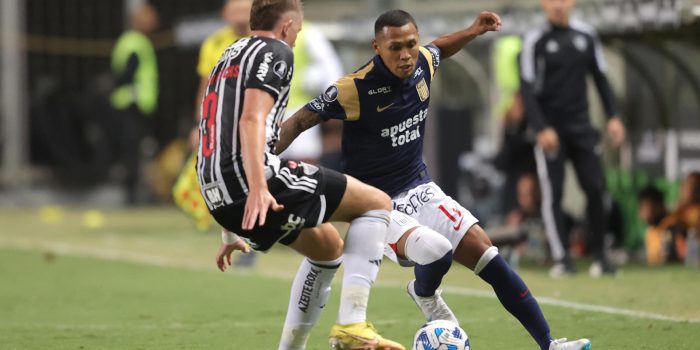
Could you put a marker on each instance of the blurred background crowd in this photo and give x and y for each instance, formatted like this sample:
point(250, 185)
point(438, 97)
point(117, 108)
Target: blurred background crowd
point(100, 98)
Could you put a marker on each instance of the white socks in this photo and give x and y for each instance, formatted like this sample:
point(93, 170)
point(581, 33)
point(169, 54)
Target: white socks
point(364, 250)
point(310, 291)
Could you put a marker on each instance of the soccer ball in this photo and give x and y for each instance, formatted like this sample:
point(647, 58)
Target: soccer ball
point(441, 335)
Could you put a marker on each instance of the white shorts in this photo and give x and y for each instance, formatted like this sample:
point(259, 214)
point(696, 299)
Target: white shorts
point(429, 206)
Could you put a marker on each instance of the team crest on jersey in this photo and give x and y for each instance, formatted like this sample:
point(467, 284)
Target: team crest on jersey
point(552, 46)
point(423, 90)
point(280, 69)
point(580, 43)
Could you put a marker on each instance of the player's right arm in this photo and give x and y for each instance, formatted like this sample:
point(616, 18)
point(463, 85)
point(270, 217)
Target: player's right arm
point(261, 92)
point(450, 44)
point(256, 106)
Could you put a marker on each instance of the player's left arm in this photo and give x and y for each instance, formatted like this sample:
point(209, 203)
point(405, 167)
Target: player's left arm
point(598, 67)
point(301, 121)
point(450, 44)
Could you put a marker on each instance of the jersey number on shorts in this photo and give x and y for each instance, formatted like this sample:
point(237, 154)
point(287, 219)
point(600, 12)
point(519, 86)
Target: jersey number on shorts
point(209, 106)
point(456, 213)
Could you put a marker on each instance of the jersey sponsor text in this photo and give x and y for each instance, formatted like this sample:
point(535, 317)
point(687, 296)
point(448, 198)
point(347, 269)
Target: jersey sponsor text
point(401, 134)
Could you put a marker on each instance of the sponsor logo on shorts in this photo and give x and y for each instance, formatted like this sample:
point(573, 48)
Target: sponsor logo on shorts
point(309, 169)
point(411, 204)
point(307, 289)
point(293, 223)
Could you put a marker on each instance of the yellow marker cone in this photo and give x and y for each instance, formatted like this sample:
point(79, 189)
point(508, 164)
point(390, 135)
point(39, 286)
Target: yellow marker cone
point(51, 214)
point(93, 219)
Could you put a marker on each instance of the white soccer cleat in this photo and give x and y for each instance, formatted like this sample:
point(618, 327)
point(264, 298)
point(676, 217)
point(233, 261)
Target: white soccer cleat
point(562, 344)
point(599, 269)
point(434, 308)
point(560, 270)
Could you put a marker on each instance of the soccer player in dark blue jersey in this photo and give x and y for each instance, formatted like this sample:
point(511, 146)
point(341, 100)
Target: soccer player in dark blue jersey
point(384, 106)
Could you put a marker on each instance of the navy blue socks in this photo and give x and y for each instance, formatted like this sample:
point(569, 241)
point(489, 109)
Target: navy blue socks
point(429, 276)
point(517, 299)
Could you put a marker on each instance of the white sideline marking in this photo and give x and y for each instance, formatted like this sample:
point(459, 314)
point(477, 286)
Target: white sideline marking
point(145, 259)
point(577, 306)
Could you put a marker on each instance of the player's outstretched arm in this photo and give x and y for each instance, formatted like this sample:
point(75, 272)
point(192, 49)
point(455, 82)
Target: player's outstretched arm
point(450, 44)
point(257, 106)
point(302, 120)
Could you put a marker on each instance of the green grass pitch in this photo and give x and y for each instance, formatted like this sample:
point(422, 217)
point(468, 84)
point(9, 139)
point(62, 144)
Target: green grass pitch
point(143, 279)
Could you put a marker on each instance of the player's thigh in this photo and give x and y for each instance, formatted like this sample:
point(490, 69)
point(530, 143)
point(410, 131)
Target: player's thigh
point(472, 246)
point(358, 199)
point(446, 216)
point(320, 243)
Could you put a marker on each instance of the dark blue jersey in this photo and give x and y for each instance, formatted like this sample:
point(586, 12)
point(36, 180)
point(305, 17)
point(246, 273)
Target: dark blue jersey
point(384, 122)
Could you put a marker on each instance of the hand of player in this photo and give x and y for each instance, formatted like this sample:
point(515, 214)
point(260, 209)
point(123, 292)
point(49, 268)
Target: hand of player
point(548, 140)
point(486, 22)
point(256, 206)
point(616, 132)
point(223, 257)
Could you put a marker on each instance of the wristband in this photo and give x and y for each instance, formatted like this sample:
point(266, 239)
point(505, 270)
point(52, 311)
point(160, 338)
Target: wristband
point(228, 237)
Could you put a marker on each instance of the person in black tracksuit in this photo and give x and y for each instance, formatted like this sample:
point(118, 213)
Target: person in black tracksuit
point(554, 62)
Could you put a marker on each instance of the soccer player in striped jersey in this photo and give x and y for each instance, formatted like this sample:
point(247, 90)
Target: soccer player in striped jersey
point(250, 191)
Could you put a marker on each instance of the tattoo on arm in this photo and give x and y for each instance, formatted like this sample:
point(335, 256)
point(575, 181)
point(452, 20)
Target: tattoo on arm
point(295, 125)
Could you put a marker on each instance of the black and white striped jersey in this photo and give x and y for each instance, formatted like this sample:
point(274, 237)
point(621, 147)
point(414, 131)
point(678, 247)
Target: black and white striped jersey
point(258, 63)
point(554, 63)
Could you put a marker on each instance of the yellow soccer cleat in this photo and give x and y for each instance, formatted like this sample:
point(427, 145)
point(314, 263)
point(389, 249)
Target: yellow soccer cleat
point(360, 336)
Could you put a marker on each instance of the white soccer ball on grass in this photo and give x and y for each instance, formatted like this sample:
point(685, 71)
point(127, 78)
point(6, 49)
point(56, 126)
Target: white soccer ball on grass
point(441, 335)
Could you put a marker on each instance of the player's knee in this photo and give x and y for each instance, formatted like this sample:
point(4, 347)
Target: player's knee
point(384, 201)
point(425, 246)
point(489, 254)
point(379, 200)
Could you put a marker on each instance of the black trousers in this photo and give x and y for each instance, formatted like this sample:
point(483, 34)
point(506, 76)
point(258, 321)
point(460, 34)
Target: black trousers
point(582, 150)
point(130, 125)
